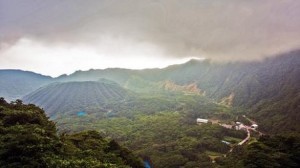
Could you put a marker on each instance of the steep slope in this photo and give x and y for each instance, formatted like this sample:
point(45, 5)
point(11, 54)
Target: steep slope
point(16, 83)
point(140, 85)
point(269, 89)
point(72, 97)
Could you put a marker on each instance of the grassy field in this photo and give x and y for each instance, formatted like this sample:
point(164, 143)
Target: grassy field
point(232, 140)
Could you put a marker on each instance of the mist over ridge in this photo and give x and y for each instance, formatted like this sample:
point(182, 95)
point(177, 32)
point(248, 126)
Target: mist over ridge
point(67, 35)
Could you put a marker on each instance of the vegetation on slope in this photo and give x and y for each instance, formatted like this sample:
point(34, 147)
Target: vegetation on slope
point(29, 139)
point(72, 97)
point(161, 125)
point(163, 129)
point(269, 88)
point(270, 151)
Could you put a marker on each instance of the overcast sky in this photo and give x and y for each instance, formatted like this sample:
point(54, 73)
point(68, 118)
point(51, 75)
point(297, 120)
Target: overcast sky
point(60, 36)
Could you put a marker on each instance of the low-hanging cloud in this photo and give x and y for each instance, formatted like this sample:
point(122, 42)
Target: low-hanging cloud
point(217, 29)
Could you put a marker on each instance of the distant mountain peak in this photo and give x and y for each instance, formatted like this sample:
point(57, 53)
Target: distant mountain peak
point(71, 97)
point(195, 60)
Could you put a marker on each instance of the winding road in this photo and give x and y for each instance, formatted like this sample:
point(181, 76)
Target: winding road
point(246, 139)
point(248, 128)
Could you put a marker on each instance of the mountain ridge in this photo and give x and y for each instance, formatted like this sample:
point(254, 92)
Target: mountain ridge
point(257, 86)
point(16, 83)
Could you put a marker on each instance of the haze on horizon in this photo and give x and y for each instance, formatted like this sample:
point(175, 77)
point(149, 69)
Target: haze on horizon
point(54, 37)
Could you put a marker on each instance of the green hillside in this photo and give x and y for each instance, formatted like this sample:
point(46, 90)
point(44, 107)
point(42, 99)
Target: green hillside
point(72, 97)
point(163, 128)
point(267, 90)
point(270, 151)
point(153, 112)
point(29, 139)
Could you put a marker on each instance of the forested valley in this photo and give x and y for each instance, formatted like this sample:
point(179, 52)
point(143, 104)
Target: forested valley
point(149, 118)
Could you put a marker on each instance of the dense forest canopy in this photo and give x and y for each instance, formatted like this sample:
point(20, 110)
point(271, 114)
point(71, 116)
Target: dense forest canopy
point(29, 139)
point(150, 83)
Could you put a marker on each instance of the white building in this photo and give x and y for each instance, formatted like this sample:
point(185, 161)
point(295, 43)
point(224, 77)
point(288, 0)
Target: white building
point(200, 120)
point(254, 126)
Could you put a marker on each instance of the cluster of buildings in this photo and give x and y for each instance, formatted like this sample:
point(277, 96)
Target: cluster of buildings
point(241, 126)
point(237, 126)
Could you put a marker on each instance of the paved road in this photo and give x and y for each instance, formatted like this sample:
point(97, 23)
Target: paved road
point(246, 139)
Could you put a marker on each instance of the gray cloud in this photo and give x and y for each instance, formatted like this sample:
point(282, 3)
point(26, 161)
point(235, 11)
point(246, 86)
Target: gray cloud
point(226, 29)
